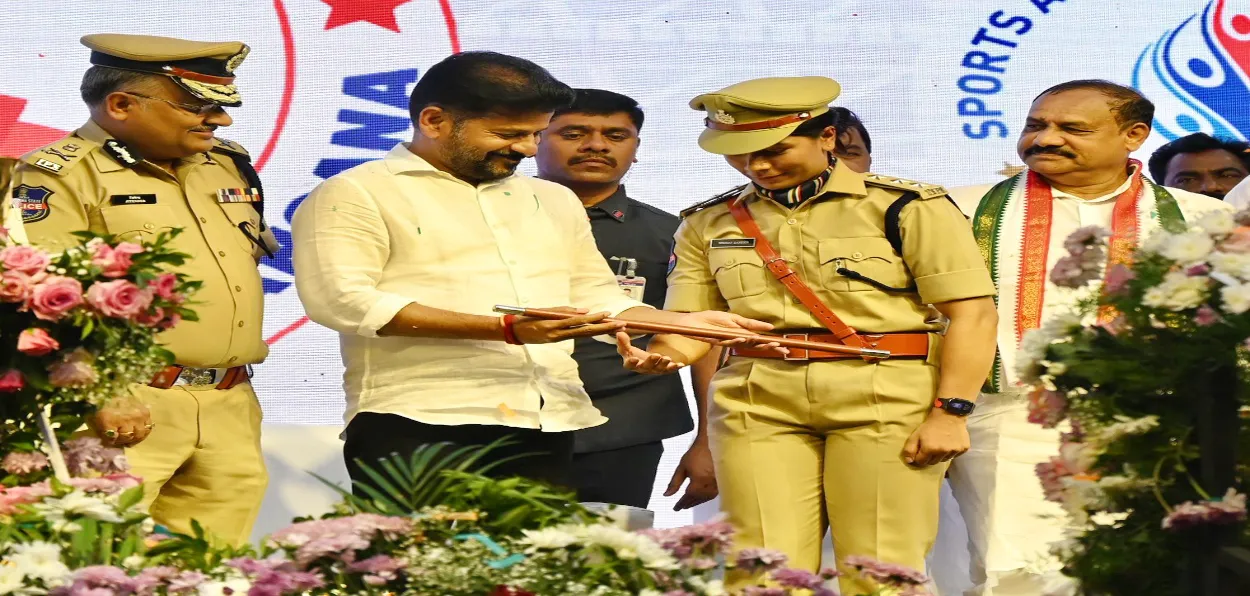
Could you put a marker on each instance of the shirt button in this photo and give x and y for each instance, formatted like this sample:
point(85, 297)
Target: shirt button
point(148, 226)
point(240, 323)
point(792, 221)
point(233, 358)
point(512, 261)
point(221, 253)
point(203, 220)
point(858, 255)
point(238, 288)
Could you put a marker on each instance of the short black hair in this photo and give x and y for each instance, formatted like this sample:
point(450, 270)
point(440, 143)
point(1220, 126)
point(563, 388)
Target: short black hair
point(601, 102)
point(1127, 104)
point(1194, 143)
point(99, 81)
point(840, 118)
point(475, 84)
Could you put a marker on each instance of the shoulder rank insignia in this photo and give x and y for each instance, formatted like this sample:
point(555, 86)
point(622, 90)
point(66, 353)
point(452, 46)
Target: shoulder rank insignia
point(926, 191)
point(59, 156)
point(716, 200)
point(220, 144)
point(122, 153)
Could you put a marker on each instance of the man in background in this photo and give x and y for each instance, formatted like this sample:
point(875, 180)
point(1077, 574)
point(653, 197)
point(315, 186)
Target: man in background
point(589, 147)
point(1201, 163)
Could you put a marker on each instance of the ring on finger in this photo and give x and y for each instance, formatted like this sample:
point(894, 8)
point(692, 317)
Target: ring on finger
point(110, 433)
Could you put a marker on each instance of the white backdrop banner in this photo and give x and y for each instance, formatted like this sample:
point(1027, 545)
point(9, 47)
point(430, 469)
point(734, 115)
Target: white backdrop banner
point(942, 86)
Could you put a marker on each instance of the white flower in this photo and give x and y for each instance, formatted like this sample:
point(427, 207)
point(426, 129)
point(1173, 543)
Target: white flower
point(1031, 355)
point(1178, 292)
point(1234, 264)
point(59, 512)
point(39, 561)
point(1055, 369)
point(1217, 223)
point(1123, 427)
point(548, 538)
point(626, 544)
point(1236, 298)
point(133, 562)
point(1156, 242)
point(11, 578)
point(236, 586)
point(715, 587)
point(1189, 247)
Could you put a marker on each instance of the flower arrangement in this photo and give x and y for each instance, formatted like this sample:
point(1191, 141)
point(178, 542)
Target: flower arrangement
point(78, 328)
point(1124, 376)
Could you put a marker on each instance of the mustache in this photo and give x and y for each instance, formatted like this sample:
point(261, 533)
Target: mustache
point(611, 161)
point(205, 128)
point(508, 155)
point(1039, 150)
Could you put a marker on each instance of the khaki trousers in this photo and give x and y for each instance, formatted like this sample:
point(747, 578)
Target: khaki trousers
point(799, 447)
point(203, 459)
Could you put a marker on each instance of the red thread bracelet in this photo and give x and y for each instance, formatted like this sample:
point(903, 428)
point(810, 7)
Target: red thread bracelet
point(509, 334)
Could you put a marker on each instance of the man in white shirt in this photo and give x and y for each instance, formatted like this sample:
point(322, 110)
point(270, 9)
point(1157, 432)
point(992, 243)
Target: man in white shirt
point(1239, 196)
point(1076, 142)
point(406, 257)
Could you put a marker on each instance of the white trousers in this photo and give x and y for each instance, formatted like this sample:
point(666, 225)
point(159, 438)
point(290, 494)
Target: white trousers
point(1010, 524)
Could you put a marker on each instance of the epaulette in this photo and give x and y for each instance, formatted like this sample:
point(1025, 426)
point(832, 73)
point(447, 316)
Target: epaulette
point(60, 156)
point(716, 200)
point(926, 191)
point(225, 146)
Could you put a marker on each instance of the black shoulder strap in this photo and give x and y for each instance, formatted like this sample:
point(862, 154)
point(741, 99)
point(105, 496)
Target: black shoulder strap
point(244, 164)
point(893, 229)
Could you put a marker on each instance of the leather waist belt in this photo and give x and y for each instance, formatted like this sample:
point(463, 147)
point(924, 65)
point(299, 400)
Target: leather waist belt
point(223, 378)
point(900, 345)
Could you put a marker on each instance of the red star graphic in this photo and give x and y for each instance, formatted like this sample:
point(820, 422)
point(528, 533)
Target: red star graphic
point(17, 138)
point(378, 12)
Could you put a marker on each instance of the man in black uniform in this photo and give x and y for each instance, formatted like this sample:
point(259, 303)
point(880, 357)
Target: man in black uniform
point(589, 147)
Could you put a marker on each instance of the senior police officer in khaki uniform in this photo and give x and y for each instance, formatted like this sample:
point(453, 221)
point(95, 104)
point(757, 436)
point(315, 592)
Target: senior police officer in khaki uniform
point(817, 250)
point(145, 162)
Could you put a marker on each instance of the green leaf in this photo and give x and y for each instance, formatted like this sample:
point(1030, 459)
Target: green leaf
point(105, 549)
point(130, 498)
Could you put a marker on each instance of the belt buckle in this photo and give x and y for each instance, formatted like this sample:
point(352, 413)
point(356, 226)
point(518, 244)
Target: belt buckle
point(198, 376)
point(792, 355)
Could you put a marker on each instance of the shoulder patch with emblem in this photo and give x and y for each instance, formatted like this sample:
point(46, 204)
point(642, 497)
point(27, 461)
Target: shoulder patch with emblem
point(32, 201)
point(716, 200)
point(226, 146)
point(60, 156)
point(925, 191)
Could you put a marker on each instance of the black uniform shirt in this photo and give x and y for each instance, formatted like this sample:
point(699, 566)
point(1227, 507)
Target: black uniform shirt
point(640, 408)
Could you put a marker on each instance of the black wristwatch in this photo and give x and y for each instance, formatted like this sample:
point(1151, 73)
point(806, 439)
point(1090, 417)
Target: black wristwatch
point(954, 405)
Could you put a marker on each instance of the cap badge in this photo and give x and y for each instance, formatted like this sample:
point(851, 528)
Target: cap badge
point(723, 117)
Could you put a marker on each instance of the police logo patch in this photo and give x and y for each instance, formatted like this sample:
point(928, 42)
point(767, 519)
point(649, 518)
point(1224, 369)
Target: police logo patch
point(672, 262)
point(48, 165)
point(33, 201)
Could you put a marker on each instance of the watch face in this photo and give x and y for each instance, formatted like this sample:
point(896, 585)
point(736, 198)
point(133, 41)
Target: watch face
point(961, 407)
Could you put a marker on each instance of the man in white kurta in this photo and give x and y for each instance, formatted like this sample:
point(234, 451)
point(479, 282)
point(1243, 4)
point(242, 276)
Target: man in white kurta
point(1076, 142)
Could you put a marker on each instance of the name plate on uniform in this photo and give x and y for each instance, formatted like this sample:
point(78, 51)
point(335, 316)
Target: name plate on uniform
point(733, 243)
point(238, 195)
point(146, 199)
point(634, 287)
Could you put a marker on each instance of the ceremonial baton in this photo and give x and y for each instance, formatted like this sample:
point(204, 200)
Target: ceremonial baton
point(704, 332)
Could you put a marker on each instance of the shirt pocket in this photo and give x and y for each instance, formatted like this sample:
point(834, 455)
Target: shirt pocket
point(739, 272)
point(136, 223)
point(869, 256)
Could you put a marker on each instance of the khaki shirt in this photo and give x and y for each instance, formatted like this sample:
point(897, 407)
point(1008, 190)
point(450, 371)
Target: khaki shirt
point(844, 226)
point(75, 184)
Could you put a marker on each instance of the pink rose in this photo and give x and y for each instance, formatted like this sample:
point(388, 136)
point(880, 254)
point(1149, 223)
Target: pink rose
point(1237, 242)
point(36, 342)
point(75, 370)
point(150, 318)
point(15, 286)
point(119, 298)
point(164, 285)
point(176, 318)
point(115, 261)
point(27, 259)
point(12, 381)
point(55, 296)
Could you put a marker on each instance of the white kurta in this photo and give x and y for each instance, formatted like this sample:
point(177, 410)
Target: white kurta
point(1239, 196)
point(1010, 524)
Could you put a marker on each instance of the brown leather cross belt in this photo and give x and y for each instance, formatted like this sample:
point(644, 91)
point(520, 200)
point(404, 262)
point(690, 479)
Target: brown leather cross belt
point(168, 377)
point(900, 345)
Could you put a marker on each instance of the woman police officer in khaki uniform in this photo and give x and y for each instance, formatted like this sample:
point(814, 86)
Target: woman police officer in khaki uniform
point(809, 439)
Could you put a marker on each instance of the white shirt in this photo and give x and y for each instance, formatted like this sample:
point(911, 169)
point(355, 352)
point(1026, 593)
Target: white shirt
point(1069, 214)
point(388, 233)
point(1239, 196)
